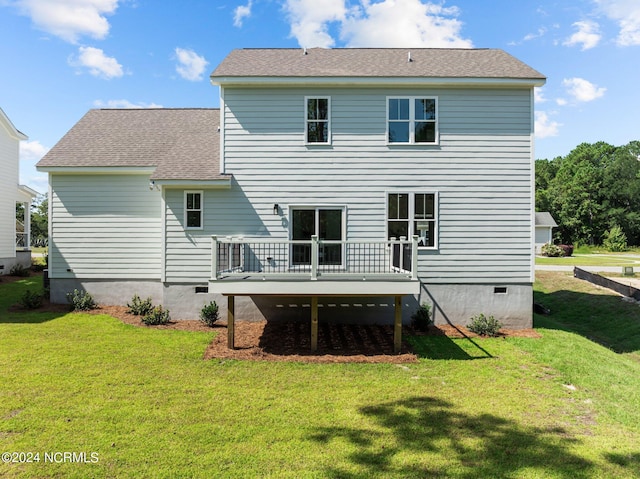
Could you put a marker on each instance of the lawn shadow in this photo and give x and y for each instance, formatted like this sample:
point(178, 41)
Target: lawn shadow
point(12, 290)
point(443, 347)
point(602, 318)
point(405, 433)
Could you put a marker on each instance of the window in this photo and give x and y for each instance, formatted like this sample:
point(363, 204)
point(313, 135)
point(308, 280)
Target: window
point(411, 214)
point(193, 209)
point(412, 120)
point(318, 128)
point(327, 223)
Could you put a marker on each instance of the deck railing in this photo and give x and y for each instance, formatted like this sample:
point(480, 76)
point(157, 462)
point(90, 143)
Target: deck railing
point(313, 259)
point(22, 241)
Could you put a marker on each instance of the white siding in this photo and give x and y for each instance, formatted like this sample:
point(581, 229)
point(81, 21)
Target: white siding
point(481, 169)
point(106, 227)
point(8, 192)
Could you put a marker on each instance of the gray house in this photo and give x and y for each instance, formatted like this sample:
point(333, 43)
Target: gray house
point(544, 229)
point(349, 184)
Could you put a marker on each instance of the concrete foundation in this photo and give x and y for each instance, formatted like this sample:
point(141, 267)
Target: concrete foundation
point(22, 258)
point(511, 304)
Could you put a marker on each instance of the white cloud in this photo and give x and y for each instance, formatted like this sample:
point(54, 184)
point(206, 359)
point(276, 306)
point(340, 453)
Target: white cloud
point(123, 104)
point(582, 90)
point(588, 35)
point(32, 150)
point(97, 62)
point(627, 14)
point(70, 19)
point(385, 23)
point(538, 94)
point(190, 65)
point(241, 12)
point(561, 101)
point(544, 127)
point(309, 20)
point(404, 23)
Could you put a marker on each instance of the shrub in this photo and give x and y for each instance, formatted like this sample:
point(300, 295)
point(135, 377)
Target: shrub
point(552, 250)
point(209, 314)
point(421, 317)
point(156, 316)
point(31, 300)
point(484, 326)
point(567, 249)
point(81, 301)
point(615, 240)
point(139, 307)
point(19, 270)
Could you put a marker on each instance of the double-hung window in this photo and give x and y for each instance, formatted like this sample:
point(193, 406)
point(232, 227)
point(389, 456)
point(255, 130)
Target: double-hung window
point(412, 120)
point(410, 214)
point(317, 120)
point(193, 211)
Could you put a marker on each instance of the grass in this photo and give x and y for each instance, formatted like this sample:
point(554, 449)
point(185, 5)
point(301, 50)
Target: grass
point(592, 260)
point(563, 406)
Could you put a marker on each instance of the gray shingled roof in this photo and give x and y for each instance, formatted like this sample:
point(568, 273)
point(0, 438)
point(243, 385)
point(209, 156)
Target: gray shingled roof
point(544, 218)
point(181, 144)
point(374, 62)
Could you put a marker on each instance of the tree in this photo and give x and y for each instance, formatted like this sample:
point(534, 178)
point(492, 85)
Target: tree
point(40, 221)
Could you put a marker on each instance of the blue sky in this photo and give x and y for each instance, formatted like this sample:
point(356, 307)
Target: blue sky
point(60, 58)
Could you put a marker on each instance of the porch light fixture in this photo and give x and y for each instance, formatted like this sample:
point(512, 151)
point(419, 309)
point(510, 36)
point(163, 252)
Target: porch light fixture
point(276, 209)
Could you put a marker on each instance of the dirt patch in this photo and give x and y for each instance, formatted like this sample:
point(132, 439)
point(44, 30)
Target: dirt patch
point(291, 340)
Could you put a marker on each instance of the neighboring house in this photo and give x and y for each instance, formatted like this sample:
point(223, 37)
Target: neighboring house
point(14, 244)
point(290, 194)
point(544, 229)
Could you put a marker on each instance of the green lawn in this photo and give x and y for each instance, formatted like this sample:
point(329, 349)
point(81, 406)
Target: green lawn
point(143, 400)
point(593, 260)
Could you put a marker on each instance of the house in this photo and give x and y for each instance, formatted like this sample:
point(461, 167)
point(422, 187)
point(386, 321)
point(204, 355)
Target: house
point(14, 233)
point(349, 184)
point(544, 229)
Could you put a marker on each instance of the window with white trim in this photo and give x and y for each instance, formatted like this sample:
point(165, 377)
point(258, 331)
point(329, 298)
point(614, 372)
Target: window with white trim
point(410, 214)
point(193, 210)
point(412, 120)
point(325, 221)
point(317, 120)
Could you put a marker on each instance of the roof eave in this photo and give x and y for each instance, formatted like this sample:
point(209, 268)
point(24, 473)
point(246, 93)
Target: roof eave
point(98, 170)
point(249, 81)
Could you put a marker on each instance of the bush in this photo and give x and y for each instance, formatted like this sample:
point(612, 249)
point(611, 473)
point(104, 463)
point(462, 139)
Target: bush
point(567, 249)
point(81, 301)
point(421, 317)
point(209, 314)
point(615, 240)
point(156, 316)
point(19, 270)
point(552, 250)
point(139, 307)
point(484, 326)
point(31, 300)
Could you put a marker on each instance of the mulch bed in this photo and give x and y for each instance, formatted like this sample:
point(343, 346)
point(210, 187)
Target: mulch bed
point(291, 340)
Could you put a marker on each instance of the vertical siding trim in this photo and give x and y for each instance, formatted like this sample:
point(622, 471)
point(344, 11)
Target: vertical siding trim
point(50, 227)
point(163, 246)
point(222, 130)
point(532, 190)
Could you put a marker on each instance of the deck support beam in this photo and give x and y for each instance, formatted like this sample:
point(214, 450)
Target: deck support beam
point(231, 320)
point(314, 323)
point(397, 326)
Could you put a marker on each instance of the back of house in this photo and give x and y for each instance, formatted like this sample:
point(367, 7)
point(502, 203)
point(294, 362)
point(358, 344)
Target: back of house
point(350, 175)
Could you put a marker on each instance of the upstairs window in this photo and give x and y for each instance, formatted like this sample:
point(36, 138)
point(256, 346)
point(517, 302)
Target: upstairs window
point(317, 123)
point(412, 120)
point(193, 209)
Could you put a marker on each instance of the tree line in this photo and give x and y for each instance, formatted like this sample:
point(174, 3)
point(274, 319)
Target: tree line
point(593, 193)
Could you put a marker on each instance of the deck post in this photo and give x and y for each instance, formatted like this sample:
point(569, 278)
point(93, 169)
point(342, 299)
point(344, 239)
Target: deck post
point(214, 258)
point(314, 323)
point(231, 321)
point(397, 327)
